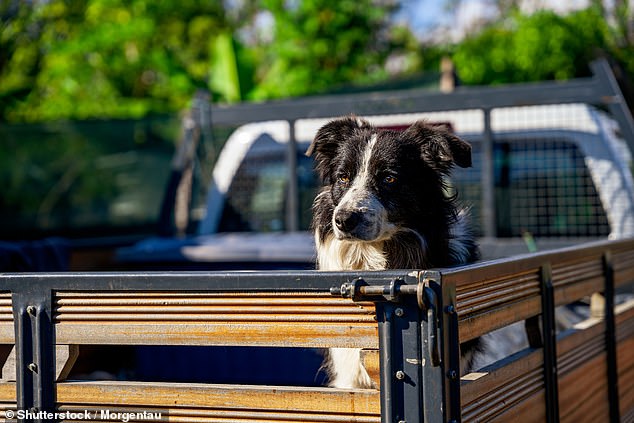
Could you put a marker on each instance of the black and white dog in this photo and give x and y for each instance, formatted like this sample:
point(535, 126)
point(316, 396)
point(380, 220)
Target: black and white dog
point(385, 205)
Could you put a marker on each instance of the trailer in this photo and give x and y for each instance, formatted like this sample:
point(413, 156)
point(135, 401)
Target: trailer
point(409, 324)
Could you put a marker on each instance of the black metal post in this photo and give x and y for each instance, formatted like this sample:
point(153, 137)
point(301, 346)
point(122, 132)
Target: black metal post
point(610, 339)
point(35, 352)
point(401, 372)
point(451, 353)
point(550, 345)
point(432, 337)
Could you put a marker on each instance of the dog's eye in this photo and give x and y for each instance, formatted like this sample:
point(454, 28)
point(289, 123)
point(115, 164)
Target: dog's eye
point(389, 179)
point(343, 180)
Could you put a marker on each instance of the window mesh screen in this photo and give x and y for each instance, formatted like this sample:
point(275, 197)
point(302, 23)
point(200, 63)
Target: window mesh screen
point(542, 187)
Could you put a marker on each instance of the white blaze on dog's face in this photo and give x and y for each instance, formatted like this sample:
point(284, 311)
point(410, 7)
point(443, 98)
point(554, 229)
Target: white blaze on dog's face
point(359, 213)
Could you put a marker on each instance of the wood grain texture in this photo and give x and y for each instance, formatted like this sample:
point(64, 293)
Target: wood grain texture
point(154, 318)
point(223, 403)
point(7, 333)
point(494, 390)
point(575, 279)
point(489, 304)
point(625, 358)
point(623, 264)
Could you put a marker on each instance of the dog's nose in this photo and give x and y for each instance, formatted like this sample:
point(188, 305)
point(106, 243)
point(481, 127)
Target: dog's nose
point(347, 220)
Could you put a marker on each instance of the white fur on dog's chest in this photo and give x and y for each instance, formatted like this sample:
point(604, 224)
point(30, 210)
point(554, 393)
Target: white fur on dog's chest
point(344, 365)
point(334, 254)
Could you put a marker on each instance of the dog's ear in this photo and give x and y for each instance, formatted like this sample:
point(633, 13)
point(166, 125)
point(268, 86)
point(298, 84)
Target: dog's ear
point(325, 145)
point(440, 148)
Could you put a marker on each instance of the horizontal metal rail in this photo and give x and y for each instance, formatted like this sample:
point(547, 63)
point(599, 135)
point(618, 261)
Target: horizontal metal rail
point(601, 88)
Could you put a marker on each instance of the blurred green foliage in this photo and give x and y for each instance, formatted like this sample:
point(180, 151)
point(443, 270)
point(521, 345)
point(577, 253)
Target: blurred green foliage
point(103, 58)
point(69, 176)
point(114, 58)
point(318, 44)
point(541, 46)
point(82, 59)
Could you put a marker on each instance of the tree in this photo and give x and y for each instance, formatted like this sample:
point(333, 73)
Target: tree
point(104, 58)
point(540, 46)
point(320, 44)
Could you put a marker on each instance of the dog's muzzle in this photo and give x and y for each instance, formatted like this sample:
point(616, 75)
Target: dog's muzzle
point(348, 220)
point(356, 224)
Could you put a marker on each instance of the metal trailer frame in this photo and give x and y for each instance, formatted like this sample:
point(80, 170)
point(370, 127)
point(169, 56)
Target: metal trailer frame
point(416, 312)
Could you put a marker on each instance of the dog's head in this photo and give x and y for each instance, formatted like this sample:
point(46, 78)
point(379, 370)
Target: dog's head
point(381, 180)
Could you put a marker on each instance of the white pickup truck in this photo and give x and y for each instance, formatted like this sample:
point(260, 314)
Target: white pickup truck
point(559, 174)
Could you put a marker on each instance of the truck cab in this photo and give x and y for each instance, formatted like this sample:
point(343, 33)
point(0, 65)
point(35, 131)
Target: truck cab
point(560, 175)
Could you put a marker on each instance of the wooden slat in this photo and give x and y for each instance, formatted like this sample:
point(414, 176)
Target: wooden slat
point(7, 332)
point(489, 304)
point(494, 390)
point(530, 410)
point(7, 396)
point(625, 358)
point(624, 318)
point(625, 366)
point(220, 334)
point(576, 279)
point(372, 363)
point(223, 403)
point(585, 341)
point(583, 392)
point(259, 319)
point(623, 264)
point(582, 372)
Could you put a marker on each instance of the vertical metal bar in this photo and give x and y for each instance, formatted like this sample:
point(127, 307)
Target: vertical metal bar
point(488, 179)
point(433, 374)
point(613, 97)
point(550, 345)
point(384, 316)
point(35, 358)
point(292, 202)
point(401, 370)
point(24, 356)
point(451, 352)
point(610, 339)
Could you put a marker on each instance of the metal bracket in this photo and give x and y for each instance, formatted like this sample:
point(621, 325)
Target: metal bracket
point(409, 322)
point(35, 354)
point(360, 290)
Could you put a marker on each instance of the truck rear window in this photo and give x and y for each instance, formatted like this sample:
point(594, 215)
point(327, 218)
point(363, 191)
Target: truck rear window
point(542, 187)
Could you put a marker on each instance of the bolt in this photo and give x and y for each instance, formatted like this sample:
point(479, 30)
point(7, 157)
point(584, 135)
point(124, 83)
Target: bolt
point(345, 290)
point(400, 375)
point(399, 312)
point(32, 367)
point(453, 375)
point(31, 310)
point(450, 309)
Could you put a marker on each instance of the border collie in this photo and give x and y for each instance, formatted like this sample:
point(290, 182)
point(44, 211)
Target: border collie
point(385, 205)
